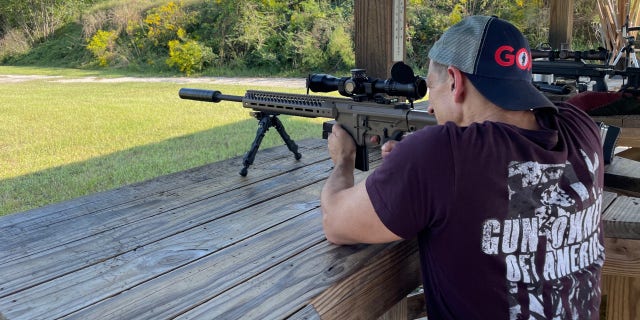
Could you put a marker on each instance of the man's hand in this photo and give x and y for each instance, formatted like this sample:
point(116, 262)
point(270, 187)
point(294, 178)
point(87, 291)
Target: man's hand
point(342, 148)
point(387, 147)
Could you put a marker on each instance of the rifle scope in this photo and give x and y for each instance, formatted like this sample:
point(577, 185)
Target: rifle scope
point(601, 54)
point(403, 83)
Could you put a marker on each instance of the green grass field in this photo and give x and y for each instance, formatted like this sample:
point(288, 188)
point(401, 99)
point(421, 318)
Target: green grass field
point(62, 140)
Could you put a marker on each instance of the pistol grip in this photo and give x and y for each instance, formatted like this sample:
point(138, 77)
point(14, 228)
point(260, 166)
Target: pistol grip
point(362, 158)
point(362, 152)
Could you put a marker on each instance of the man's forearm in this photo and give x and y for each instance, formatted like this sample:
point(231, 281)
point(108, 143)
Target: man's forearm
point(341, 178)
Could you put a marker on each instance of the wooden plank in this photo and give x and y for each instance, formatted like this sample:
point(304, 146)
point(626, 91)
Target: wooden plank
point(274, 161)
point(607, 199)
point(307, 313)
point(606, 25)
point(397, 270)
point(211, 275)
point(623, 174)
point(27, 270)
point(118, 261)
point(622, 257)
point(397, 312)
point(177, 290)
point(634, 13)
point(622, 218)
point(48, 231)
point(274, 293)
point(622, 121)
point(620, 298)
point(417, 306)
point(629, 128)
point(631, 154)
point(629, 137)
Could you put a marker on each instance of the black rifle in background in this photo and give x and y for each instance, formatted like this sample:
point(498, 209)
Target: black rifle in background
point(572, 65)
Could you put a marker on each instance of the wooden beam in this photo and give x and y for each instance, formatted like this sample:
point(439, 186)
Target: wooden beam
point(561, 23)
point(379, 35)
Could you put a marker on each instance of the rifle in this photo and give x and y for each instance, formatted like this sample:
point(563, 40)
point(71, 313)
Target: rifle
point(575, 70)
point(366, 112)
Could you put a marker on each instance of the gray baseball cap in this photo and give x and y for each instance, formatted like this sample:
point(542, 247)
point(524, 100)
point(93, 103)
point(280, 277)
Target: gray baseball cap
point(495, 57)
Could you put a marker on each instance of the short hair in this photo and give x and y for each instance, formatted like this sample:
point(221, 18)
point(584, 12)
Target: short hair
point(439, 69)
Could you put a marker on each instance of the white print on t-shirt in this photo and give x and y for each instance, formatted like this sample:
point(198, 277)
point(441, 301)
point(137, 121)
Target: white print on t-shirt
point(545, 223)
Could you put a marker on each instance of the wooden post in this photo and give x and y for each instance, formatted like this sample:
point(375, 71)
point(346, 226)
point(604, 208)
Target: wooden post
point(379, 35)
point(561, 23)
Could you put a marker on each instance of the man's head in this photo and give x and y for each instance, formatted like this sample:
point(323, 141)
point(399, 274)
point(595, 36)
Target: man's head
point(495, 57)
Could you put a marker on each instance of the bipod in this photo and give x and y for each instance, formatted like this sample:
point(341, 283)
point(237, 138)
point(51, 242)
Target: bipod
point(266, 121)
point(629, 53)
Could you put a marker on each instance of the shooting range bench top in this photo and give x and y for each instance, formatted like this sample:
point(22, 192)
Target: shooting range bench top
point(204, 243)
point(207, 243)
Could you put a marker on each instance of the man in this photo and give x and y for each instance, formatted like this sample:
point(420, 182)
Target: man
point(504, 195)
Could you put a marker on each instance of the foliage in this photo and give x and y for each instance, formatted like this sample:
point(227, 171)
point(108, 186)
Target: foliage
point(65, 48)
point(586, 26)
point(26, 23)
point(39, 18)
point(270, 37)
point(340, 50)
point(162, 23)
point(428, 19)
point(102, 45)
point(304, 35)
point(189, 55)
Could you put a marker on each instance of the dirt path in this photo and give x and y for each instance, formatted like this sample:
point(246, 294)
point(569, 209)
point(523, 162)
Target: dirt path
point(270, 82)
point(613, 84)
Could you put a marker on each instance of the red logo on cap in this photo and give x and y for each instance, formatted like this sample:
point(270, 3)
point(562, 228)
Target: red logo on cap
point(504, 56)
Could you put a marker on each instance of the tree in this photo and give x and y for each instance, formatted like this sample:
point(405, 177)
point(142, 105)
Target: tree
point(39, 19)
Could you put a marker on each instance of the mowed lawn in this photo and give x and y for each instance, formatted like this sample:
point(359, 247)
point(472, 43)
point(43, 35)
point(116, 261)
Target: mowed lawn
point(60, 140)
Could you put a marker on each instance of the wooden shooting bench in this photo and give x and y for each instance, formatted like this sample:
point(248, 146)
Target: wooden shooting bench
point(621, 272)
point(207, 243)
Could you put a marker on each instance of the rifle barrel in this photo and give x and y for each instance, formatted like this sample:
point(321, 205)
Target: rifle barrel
point(207, 95)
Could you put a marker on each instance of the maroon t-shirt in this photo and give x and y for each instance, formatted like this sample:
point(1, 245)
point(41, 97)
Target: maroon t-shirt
point(507, 219)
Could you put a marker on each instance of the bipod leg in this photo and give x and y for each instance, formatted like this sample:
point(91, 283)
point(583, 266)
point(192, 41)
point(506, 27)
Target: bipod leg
point(264, 122)
point(293, 147)
point(634, 59)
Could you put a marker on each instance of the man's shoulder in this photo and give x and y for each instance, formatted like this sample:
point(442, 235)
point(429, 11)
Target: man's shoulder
point(566, 109)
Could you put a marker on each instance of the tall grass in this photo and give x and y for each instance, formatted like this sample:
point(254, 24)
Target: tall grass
point(61, 140)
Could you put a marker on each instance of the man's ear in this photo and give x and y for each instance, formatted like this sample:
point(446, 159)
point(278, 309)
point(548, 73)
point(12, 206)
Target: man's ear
point(457, 79)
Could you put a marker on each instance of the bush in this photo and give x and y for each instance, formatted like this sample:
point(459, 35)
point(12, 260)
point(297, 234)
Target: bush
point(13, 43)
point(163, 23)
point(102, 45)
point(340, 50)
point(189, 56)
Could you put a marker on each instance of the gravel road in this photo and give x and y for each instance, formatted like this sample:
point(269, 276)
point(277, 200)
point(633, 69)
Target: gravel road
point(613, 84)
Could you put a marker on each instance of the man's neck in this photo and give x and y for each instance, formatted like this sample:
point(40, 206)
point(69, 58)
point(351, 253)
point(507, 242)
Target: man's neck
point(490, 112)
point(521, 119)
